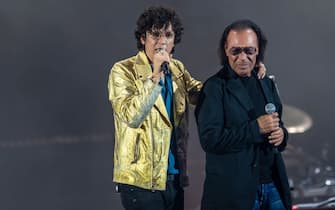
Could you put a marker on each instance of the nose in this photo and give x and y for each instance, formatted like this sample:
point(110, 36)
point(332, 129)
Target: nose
point(162, 39)
point(242, 56)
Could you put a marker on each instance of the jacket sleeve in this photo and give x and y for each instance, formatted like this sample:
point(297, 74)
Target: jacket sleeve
point(131, 98)
point(215, 136)
point(192, 85)
point(275, 93)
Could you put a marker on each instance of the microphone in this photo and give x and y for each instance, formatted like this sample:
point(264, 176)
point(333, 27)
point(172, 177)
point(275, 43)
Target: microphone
point(165, 68)
point(269, 109)
point(165, 65)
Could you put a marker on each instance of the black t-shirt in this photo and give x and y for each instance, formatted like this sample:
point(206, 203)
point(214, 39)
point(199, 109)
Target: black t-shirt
point(266, 156)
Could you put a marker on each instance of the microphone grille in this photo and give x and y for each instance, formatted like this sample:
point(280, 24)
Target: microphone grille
point(270, 108)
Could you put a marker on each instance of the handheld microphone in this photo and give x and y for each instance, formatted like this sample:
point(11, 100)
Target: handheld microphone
point(165, 65)
point(165, 68)
point(269, 109)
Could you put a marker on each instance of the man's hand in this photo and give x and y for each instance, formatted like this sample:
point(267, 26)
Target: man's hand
point(159, 58)
point(268, 123)
point(276, 137)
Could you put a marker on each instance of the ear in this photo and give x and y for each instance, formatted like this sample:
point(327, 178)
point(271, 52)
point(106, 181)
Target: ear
point(143, 39)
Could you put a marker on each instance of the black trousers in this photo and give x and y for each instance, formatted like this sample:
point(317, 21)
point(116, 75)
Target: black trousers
point(136, 198)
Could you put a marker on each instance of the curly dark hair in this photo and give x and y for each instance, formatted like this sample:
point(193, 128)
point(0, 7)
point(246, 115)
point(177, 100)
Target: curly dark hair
point(241, 25)
point(157, 18)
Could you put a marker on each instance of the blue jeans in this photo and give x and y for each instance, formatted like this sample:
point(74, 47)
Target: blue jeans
point(267, 198)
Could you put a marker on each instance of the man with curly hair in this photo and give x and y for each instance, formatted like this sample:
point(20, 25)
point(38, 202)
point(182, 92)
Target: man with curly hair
point(150, 93)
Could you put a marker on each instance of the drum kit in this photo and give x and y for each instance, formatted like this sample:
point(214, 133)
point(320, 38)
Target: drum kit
point(312, 179)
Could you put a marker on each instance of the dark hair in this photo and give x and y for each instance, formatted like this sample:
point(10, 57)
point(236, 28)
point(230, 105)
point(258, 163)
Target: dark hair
point(241, 25)
point(158, 17)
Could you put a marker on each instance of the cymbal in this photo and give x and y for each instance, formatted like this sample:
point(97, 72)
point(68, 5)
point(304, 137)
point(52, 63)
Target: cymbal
point(296, 120)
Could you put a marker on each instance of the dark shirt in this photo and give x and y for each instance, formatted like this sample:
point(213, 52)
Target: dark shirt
point(266, 155)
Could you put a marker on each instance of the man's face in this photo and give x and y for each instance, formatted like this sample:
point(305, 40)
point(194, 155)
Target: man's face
point(158, 38)
point(242, 49)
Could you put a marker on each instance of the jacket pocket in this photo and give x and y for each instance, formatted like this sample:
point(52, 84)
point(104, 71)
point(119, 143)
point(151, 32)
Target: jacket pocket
point(136, 149)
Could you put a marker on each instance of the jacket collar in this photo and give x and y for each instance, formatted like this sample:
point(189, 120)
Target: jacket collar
point(142, 65)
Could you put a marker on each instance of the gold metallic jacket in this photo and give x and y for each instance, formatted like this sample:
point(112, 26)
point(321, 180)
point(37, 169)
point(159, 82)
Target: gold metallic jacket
point(142, 126)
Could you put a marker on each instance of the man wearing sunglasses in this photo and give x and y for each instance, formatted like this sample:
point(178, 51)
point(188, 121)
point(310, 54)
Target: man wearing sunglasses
point(241, 137)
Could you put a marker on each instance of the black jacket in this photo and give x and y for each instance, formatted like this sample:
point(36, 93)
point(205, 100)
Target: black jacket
point(229, 134)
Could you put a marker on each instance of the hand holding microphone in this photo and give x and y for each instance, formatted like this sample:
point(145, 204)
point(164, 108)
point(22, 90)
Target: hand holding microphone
point(160, 62)
point(159, 58)
point(165, 65)
point(277, 136)
point(269, 122)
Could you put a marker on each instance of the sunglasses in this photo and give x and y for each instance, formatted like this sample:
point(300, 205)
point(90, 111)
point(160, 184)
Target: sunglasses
point(238, 50)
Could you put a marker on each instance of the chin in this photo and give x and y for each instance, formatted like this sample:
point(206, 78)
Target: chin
point(244, 72)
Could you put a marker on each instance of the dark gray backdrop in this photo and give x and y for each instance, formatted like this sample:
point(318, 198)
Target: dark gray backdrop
point(56, 138)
